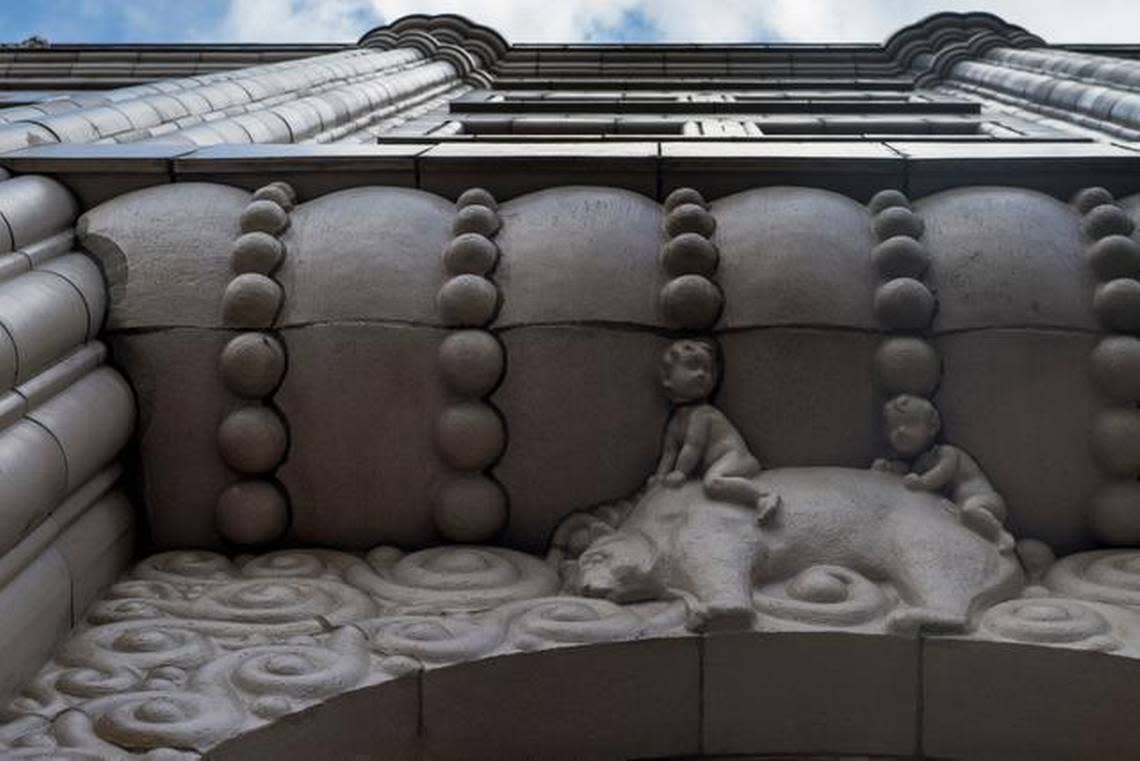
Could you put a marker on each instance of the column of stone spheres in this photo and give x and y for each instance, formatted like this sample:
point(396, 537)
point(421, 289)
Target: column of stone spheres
point(690, 300)
point(253, 439)
point(1114, 258)
point(904, 364)
point(470, 436)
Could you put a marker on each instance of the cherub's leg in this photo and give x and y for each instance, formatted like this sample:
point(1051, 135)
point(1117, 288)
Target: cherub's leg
point(727, 480)
point(982, 514)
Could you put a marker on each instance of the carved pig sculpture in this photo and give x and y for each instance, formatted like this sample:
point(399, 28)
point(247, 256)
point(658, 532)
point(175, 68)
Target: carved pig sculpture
point(677, 542)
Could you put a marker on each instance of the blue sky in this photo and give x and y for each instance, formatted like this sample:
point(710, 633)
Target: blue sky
point(545, 20)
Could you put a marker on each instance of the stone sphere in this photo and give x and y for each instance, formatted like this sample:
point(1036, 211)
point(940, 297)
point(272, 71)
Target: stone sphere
point(471, 362)
point(900, 256)
point(897, 220)
point(252, 365)
point(904, 304)
point(690, 218)
point(251, 301)
point(467, 301)
point(1115, 515)
point(1089, 198)
point(469, 435)
point(683, 196)
point(1106, 219)
point(476, 197)
point(470, 509)
point(691, 301)
point(285, 188)
point(907, 365)
point(888, 199)
point(252, 512)
point(1114, 256)
point(1117, 304)
point(264, 216)
point(259, 253)
point(253, 439)
point(470, 254)
point(1116, 440)
point(689, 254)
point(476, 219)
point(1116, 367)
point(276, 193)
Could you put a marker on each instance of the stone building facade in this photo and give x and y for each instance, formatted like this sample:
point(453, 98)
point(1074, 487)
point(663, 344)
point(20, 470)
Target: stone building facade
point(437, 397)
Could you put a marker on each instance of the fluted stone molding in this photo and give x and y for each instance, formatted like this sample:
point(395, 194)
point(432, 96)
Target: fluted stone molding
point(472, 48)
point(313, 99)
point(64, 418)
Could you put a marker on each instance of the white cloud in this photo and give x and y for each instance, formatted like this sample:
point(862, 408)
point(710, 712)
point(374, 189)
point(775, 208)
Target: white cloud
point(674, 20)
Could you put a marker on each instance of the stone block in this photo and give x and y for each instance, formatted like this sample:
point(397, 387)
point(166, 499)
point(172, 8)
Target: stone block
point(35, 208)
point(1003, 702)
point(809, 693)
point(181, 403)
point(379, 723)
point(584, 415)
point(362, 467)
point(365, 254)
point(794, 256)
point(174, 241)
point(33, 479)
point(612, 701)
point(580, 254)
point(44, 316)
point(1005, 257)
point(802, 396)
point(512, 169)
point(92, 420)
point(1022, 402)
point(37, 614)
point(97, 548)
point(82, 272)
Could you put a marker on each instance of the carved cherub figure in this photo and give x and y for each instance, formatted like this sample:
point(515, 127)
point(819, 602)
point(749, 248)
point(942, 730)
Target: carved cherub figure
point(912, 424)
point(699, 439)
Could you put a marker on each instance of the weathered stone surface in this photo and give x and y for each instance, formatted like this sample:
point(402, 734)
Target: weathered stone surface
point(1005, 257)
point(836, 693)
point(44, 316)
point(656, 696)
point(38, 602)
point(802, 396)
point(181, 403)
point(33, 478)
point(999, 388)
point(165, 252)
point(794, 256)
point(580, 254)
point(582, 402)
point(361, 468)
point(363, 255)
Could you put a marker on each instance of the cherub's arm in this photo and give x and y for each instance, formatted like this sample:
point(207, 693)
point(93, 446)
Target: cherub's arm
point(884, 465)
point(937, 476)
point(696, 440)
point(670, 446)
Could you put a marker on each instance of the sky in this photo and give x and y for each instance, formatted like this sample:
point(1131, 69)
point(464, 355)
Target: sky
point(547, 20)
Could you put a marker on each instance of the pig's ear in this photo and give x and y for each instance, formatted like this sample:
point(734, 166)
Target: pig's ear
point(577, 532)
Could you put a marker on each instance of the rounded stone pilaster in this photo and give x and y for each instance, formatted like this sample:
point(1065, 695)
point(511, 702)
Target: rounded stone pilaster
point(470, 436)
point(1113, 255)
point(253, 439)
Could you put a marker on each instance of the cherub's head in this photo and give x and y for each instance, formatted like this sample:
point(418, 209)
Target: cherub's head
point(688, 370)
point(912, 423)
